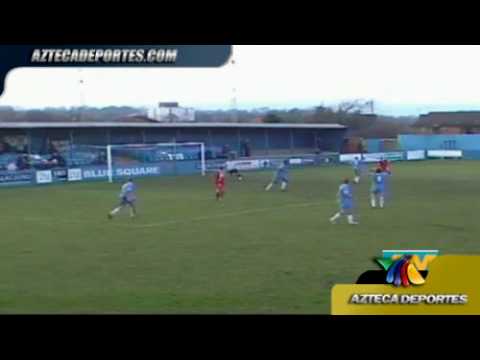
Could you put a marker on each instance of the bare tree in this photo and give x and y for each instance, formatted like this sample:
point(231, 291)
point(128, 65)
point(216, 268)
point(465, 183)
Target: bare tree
point(354, 107)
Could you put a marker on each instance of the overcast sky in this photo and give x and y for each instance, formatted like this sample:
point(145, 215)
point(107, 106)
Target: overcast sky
point(400, 79)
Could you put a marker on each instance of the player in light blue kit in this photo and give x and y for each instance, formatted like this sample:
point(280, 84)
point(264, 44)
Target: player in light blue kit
point(281, 177)
point(345, 197)
point(357, 169)
point(127, 198)
point(378, 189)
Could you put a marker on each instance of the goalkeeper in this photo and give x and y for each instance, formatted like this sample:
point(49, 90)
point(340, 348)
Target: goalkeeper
point(236, 172)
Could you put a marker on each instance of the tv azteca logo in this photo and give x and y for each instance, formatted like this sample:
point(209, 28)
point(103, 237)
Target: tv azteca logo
point(405, 267)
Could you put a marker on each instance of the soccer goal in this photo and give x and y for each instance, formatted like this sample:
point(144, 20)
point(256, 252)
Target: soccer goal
point(155, 159)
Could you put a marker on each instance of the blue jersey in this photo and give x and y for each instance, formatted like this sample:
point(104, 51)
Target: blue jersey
point(379, 182)
point(282, 173)
point(345, 196)
point(128, 192)
point(356, 164)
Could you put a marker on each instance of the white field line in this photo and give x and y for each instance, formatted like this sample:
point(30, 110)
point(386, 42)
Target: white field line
point(219, 216)
point(51, 221)
point(165, 197)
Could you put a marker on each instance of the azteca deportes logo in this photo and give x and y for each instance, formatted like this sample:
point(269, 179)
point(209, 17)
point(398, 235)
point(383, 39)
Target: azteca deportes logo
point(403, 267)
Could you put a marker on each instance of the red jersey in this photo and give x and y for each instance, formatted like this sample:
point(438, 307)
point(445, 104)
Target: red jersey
point(384, 165)
point(220, 179)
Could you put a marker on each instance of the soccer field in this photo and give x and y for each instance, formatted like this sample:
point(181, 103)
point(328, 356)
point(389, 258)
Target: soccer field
point(256, 252)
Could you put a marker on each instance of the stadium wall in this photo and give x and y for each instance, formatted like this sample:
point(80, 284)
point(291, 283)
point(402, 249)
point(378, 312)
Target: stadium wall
point(381, 145)
point(160, 168)
point(374, 145)
point(469, 144)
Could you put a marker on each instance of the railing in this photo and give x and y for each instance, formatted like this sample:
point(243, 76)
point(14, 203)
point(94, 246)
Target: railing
point(172, 167)
point(404, 155)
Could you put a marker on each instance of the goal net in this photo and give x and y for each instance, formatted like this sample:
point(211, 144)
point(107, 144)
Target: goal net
point(132, 160)
point(155, 159)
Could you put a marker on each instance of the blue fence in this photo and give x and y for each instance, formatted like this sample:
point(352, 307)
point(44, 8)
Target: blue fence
point(89, 171)
point(469, 144)
point(374, 145)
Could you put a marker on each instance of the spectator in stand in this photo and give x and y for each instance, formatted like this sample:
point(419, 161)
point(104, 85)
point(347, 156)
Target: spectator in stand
point(242, 148)
point(23, 162)
point(225, 151)
point(247, 148)
point(12, 167)
point(56, 160)
point(4, 147)
point(101, 159)
point(51, 148)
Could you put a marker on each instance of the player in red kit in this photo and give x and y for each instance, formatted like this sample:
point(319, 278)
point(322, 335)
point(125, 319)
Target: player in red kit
point(220, 184)
point(384, 166)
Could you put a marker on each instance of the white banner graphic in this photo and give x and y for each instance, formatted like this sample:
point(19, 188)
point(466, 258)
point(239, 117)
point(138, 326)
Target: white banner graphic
point(44, 177)
point(445, 153)
point(74, 174)
point(416, 155)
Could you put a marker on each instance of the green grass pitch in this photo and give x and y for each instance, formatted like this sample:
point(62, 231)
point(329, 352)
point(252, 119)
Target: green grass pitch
point(256, 252)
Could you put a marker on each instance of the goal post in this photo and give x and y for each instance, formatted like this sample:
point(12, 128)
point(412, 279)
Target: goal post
point(170, 155)
point(109, 163)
